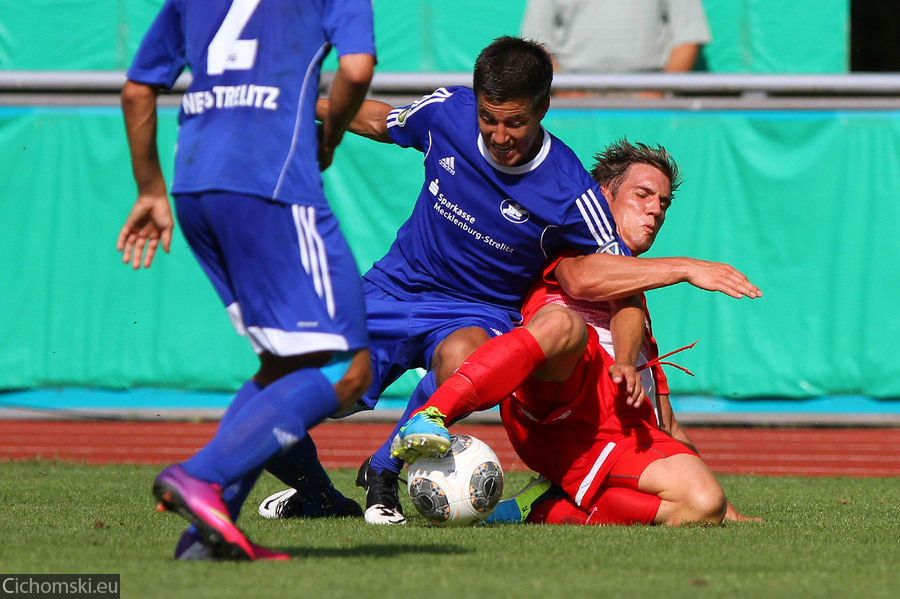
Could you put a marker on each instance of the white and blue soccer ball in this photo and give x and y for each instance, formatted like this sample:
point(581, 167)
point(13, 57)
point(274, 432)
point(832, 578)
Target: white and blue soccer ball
point(460, 488)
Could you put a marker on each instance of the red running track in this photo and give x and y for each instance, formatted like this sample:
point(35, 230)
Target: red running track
point(739, 450)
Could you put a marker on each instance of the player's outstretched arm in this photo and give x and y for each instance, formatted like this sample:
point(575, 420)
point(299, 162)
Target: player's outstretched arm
point(348, 90)
point(370, 120)
point(150, 221)
point(605, 276)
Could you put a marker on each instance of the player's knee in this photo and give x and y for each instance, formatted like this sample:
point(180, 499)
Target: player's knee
point(707, 503)
point(450, 353)
point(558, 330)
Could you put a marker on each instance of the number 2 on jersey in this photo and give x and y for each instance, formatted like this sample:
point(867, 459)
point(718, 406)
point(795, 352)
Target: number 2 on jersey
point(226, 52)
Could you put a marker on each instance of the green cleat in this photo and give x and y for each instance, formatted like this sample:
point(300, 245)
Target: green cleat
point(423, 435)
point(516, 508)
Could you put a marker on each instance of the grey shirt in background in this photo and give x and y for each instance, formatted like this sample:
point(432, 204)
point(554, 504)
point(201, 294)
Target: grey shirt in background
point(614, 36)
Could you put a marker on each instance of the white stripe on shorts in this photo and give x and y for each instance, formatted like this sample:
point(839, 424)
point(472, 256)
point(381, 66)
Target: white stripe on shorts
point(313, 254)
point(589, 479)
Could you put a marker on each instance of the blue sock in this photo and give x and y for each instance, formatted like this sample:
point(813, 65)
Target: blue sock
point(247, 392)
point(382, 459)
point(299, 467)
point(235, 494)
point(271, 421)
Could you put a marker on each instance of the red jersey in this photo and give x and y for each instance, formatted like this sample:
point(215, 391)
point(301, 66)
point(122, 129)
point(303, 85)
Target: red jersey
point(575, 431)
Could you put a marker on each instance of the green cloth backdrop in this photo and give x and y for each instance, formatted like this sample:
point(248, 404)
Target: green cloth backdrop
point(749, 36)
point(792, 198)
point(800, 201)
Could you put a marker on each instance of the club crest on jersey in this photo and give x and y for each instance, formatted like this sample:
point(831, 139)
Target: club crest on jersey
point(514, 212)
point(611, 247)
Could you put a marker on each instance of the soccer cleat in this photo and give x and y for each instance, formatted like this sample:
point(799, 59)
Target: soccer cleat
point(516, 508)
point(286, 504)
point(201, 503)
point(382, 498)
point(423, 435)
point(264, 554)
point(191, 548)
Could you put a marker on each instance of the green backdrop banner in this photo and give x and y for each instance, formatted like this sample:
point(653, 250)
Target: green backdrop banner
point(749, 36)
point(800, 201)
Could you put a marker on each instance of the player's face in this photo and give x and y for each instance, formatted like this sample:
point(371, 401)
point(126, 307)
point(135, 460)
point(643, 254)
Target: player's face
point(511, 131)
point(639, 206)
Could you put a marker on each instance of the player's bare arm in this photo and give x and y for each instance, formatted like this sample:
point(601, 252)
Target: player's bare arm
point(669, 425)
point(150, 221)
point(605, 276)
point(627, 330)
point(370, 120)
point(348, 90)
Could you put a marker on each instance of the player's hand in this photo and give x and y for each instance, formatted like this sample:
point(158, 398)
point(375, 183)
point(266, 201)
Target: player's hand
point(627, 377)
point(149, 223)
point(717, 276)
point(326, 157)
point(327, 146)
point(732, 515)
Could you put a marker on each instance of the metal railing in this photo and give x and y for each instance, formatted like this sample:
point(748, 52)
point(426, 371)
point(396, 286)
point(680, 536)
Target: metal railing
point(690, 90)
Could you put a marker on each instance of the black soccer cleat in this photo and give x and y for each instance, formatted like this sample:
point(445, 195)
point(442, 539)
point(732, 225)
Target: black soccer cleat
point(382, 497)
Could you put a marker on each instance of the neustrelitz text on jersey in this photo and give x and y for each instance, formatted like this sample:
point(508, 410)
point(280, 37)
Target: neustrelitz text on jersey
point(231, 96)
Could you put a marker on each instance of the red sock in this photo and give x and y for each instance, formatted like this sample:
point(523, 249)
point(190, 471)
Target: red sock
point(490, 374)
point(615, 505)
point(620, 505)
point(558, 511)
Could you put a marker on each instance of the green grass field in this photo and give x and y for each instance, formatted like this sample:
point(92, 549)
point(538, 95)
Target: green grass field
point(822, 538)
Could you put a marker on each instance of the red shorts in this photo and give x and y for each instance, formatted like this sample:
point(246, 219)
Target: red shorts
point(581, 434)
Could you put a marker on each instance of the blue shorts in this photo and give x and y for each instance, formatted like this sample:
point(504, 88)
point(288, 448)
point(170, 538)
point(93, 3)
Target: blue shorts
point(404, 333)
point(284, 271)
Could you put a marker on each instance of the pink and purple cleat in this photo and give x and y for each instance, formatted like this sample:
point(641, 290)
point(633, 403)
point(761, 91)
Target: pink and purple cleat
point(201, 503)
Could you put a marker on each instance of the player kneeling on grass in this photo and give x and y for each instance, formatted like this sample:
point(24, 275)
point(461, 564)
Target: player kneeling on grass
point(606, 454)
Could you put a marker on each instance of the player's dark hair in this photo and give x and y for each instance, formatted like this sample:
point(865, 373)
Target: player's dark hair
point(511, 68)
point(611, 164)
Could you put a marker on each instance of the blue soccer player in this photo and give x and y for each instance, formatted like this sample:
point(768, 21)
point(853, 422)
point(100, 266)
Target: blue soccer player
point(500, 195)
point(249, 199)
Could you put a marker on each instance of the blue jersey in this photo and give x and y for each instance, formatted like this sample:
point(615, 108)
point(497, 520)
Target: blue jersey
point(481, 231)
point(247, 121)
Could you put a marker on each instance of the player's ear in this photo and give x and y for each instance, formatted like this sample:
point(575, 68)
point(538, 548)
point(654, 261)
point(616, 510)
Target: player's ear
point(543, 108)
point(605, 191)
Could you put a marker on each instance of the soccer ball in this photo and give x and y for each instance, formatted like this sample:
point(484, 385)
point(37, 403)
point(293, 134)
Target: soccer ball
point(460, 488)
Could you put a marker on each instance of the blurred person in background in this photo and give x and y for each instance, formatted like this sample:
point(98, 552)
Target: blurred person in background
point(619, 36)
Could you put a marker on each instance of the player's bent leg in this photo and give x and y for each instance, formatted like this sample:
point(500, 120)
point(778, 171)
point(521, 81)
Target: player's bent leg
point(562, 335)
point(453, 350)
point(312, 494)
point(688, 489)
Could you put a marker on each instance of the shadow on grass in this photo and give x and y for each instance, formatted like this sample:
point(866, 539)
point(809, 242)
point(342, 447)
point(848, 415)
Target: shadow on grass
point(386, 550)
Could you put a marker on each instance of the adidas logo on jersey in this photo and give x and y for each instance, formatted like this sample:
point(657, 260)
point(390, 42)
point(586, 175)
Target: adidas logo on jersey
point(449, 164)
